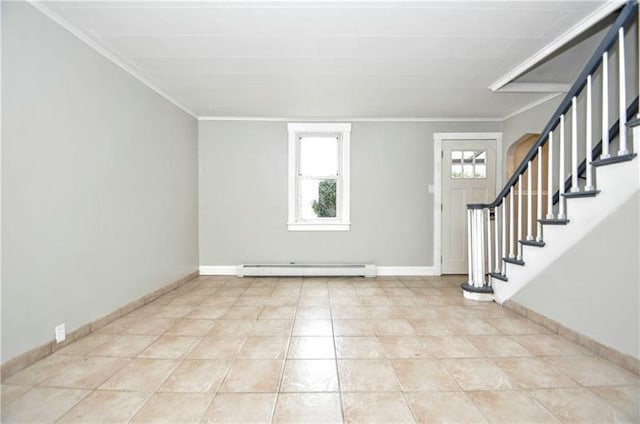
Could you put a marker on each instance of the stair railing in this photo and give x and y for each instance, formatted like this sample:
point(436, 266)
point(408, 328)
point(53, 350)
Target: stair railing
point(491, 249)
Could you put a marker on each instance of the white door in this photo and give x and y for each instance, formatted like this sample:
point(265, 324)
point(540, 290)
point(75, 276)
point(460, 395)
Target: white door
point(468, 176)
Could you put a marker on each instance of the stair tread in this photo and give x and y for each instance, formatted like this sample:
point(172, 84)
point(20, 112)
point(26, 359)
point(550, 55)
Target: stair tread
point(583, 193)
point(498, 276)
point(553, 221)
point(534, 243)
point(514, 261)
point(614, 159)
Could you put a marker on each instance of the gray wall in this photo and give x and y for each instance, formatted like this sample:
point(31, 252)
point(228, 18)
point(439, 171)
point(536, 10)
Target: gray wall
point(593, 288)
point(243, 195)
point(99, 184)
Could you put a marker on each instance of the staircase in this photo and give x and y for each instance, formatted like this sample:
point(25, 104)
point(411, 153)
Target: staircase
point(528, 227)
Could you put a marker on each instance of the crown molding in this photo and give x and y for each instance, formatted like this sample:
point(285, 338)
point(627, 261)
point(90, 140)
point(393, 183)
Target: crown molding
point(41, 6)
point(602, 12)
point(385, 119)
point(531, 105)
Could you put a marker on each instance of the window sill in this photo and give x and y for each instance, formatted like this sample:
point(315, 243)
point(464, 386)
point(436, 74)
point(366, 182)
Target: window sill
point(319, 227)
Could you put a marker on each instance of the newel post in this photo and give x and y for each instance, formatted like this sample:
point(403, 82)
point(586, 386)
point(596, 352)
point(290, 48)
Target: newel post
point(477, 287)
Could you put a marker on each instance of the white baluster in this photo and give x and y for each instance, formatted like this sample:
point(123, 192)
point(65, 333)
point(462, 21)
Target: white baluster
point(550, 178)
point(605, 106)
point(539, 198)
point(561, 208)
point(469, 252)
point(511, 224)
point(504, 235)
point(489, 245)
point(529, 203)
point(623, 96)
point(497, 239)
point(589, 184)
point(574, 145)
point(478, 247)
point(519, 257)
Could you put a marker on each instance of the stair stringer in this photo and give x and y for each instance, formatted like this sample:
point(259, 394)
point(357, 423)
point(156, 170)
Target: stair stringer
point(617, 182)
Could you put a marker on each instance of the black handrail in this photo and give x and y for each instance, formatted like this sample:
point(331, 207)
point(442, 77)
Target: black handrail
point(627, 13)
point(597, 150)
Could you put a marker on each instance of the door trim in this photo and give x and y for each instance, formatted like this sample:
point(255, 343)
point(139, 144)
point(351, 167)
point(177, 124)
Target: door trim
point(438, 140)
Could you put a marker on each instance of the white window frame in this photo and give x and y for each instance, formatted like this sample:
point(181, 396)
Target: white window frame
point(343, 193)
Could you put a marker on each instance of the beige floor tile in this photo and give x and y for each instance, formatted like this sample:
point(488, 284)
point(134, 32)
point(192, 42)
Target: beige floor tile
point(42, 404)
point(450, 347)
point(151, 326)
point(381, 408)
point(312, 327)
point(87, 373)
point(359, 348)
point(308, 408)
point(404, 347)
point(123, 346)
point(422, 375)
point(314, 313)
point(174, 408)
point(498, 346)
point(625, 398)
point(593, 371)
point(431, 327)
point(42, 370)
point(197, 375)
point(172, 311)
point(141, 375)
point(106, 407)
point(533, 373)
point(511, 406)
point(241, 408)
point(352, 327)
point(170, 347)
point(550, 345)
point(261, 347)
point(443, 407)
point(392, 327)
point(191, 327)
point(218, 300)
point(243, 312)
point(217, 348)
point(253, 375)
point(313, 302)
point(231, 291)
point(461, 327)
point(478, 374)
point(514, 326)
point(311, 348)
point(272, 327)
point(11, 392)
point(85, 344)
point(579, 405)
point(257, 291)
point(385, 312)
point(340, 312)
point(208, 312)
point(232, 328)
point(117, 326)
point(310, 375)
point(361, 375)
point(278, 312)
point(252, 301)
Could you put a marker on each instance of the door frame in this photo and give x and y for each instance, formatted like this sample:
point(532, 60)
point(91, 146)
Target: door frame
point(438, 140)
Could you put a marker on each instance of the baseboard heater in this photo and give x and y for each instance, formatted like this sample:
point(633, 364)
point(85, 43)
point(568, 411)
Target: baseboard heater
point(299, 270)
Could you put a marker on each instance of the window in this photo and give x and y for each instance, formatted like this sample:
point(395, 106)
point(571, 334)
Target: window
point(319, 177)
point(468, 164)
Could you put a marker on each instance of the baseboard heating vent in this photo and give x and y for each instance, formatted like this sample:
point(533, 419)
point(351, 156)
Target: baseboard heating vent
point(298, 270)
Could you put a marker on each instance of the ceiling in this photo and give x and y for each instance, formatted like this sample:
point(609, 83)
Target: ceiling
point(313, 59)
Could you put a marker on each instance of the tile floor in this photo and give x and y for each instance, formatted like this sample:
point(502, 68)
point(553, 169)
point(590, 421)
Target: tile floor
point(386, 350)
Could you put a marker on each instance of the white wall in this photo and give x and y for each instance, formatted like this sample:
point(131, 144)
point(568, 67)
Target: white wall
point(243, 195)
point(99, 184)
point(593, 289)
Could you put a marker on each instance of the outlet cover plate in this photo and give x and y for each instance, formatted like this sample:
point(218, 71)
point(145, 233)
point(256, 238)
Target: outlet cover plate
point(61, 333)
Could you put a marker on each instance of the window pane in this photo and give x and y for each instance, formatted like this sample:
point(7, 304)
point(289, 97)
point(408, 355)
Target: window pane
point(456, 171)
point(467, 171)
point(456, 156)
point(468, 157)
point(481, 156)
point(481, 170)
point(317, 198)
point(318, 156)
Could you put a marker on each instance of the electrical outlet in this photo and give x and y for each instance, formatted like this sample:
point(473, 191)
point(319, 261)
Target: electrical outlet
point(61, 333)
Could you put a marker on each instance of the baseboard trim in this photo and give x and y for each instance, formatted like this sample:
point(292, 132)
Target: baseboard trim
point(13, 365)
point(383, 271)
point(627, 362)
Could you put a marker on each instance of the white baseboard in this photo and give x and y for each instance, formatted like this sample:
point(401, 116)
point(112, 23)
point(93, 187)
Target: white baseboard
point(406, 270)
point(383, 271)
point(219, 270)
